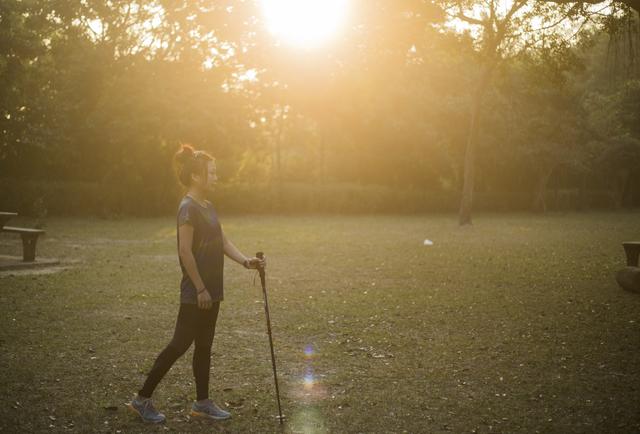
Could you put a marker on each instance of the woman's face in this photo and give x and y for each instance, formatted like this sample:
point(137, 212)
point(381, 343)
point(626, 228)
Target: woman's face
point(207, 183)
point(212, 179)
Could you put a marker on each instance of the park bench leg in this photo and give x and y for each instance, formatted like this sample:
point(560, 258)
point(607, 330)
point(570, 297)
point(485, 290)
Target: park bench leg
point(632, 255)
point(29, 247)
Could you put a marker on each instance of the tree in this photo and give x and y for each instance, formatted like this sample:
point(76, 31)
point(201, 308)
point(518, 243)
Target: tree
point(501, 29)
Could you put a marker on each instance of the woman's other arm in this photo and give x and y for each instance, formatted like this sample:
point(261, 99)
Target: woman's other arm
point(185, 232)
point(232, 251)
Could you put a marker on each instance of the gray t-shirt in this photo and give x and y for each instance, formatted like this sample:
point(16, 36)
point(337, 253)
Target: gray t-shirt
point(207, 248)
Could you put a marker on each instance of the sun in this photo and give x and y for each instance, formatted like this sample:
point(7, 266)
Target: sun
point(304, 22)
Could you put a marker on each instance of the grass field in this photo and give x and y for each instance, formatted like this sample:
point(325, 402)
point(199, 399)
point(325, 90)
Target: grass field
point(513, 325)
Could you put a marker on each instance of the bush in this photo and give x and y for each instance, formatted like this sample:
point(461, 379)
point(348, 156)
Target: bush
point(40, 199)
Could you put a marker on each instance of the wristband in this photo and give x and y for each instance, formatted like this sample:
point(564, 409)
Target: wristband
point(202, 290)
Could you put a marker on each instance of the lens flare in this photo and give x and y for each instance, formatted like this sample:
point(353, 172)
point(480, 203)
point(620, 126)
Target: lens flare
point(308, 381)
point(309, 389)
point(308, 351)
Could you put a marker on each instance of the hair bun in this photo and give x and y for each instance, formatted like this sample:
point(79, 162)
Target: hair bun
point(185, 153)
point(187, 161)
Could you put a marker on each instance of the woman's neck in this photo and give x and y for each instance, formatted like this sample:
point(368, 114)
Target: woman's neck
point(197, 195)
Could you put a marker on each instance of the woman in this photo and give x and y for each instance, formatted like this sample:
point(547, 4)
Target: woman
point(201, 248)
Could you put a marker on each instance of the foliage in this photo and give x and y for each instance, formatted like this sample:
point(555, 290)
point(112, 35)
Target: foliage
point(101, 94)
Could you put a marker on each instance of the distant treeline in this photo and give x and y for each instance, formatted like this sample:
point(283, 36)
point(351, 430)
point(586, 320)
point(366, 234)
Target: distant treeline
point(39, 200)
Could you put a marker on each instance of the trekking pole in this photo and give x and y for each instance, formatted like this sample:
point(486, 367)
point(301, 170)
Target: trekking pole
point(260, 255)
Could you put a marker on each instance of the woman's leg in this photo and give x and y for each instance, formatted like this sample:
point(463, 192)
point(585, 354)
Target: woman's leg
point(202, 351)
point(183, 336)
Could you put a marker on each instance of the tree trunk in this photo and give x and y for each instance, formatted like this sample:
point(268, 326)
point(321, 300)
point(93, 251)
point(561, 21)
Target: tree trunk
point(583, 198)
point(539, 204)
point(323, 162)
point(620, 185)
point(469, 157)
point(627, 192)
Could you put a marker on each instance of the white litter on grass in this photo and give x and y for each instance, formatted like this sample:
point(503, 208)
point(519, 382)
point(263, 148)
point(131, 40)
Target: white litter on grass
point(428, 243)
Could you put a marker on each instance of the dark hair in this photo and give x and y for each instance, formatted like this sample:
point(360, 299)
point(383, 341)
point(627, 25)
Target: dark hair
point(188, 161)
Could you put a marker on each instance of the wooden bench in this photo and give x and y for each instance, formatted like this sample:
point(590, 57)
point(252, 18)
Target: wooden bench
point(5, 217)
point(632, 250)
point(29, 240)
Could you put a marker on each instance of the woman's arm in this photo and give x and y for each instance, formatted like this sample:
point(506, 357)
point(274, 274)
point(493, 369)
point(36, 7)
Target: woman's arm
point(185, 233)
point(232, 251)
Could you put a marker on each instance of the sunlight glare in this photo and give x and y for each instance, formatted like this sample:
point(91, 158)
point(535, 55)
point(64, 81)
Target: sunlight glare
point(304, 22)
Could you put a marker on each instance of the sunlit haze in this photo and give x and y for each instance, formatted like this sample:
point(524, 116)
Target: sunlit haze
point(304, 22)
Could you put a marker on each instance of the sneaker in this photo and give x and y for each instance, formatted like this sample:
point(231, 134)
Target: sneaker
point(145, 409)
point(209, 410)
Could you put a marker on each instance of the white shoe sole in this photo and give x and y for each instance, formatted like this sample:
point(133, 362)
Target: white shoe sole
point(208, 416)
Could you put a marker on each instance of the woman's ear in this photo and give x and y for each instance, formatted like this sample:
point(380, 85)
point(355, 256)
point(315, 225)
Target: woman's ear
point(195, 178)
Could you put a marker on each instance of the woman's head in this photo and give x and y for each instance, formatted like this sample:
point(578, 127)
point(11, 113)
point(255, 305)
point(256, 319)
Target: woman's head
point(195, 168)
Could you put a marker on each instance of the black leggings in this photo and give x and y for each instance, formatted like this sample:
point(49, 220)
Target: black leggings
point(192, 324)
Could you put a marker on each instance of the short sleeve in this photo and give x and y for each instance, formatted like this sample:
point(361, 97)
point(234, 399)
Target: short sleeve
point(186, 215)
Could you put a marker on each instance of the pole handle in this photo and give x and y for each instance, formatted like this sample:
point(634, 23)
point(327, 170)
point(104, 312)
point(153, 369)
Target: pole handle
point(260, 255)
